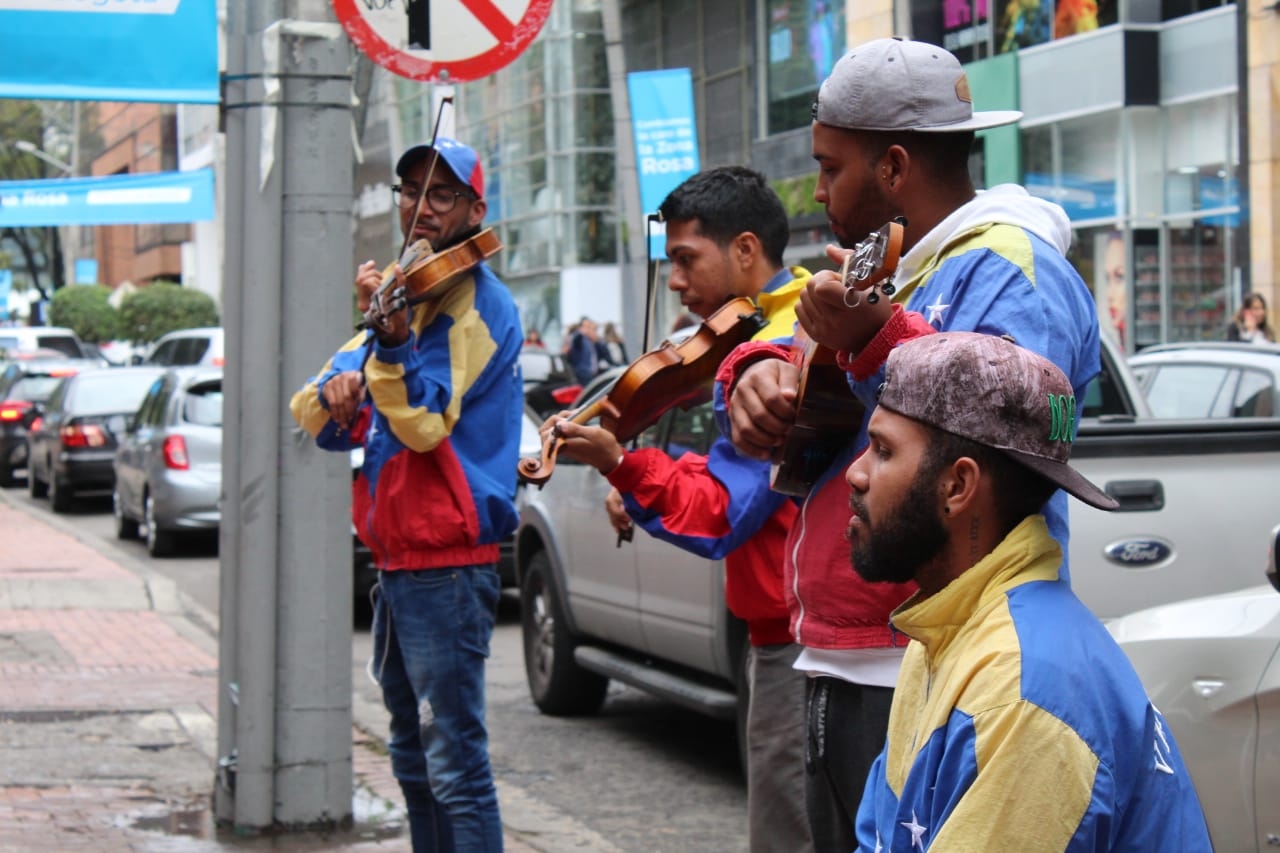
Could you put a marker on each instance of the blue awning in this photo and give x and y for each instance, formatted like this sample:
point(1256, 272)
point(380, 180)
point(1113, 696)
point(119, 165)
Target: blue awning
point(154, 197)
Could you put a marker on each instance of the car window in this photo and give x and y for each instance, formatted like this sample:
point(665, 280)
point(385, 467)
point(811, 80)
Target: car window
point(1254, 395)
point(189, 350)
point(691, 431)
point(62, 343)
point(56, 396)
point(203, 405)
point(111, 391)
point(151, 410)
point(163, 353)
point(1102, 396)
point(1190, 391)
point(33, 389)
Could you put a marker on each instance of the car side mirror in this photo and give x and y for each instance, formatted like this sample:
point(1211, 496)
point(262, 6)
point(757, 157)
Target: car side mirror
point(1272, 574)
point(136, 358)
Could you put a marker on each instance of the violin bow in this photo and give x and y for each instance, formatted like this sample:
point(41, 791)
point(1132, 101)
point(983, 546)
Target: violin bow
point(431, 168)
point(651, 290)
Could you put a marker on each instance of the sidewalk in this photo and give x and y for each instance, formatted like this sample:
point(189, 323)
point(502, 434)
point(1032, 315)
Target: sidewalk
point(108, 684)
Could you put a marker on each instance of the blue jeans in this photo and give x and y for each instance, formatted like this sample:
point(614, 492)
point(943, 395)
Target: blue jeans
point(431, 631)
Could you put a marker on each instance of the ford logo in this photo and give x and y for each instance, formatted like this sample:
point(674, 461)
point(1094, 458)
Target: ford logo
point(1139, 553)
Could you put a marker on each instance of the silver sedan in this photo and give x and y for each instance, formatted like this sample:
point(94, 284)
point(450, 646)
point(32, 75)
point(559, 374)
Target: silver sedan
point(169, 462)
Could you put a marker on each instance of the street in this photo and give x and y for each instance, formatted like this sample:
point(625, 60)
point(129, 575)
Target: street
point(643, 775)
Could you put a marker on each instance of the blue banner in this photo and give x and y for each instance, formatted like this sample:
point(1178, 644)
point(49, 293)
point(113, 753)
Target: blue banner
point(110, 50)
point(6, 284)
point(152, 197)
point(666, 136)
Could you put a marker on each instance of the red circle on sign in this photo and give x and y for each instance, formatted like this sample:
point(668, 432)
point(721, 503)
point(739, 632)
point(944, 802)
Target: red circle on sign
point(397, 61)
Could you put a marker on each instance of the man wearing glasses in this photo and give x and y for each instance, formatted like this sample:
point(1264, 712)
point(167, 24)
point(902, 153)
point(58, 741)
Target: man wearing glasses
point(435, 397)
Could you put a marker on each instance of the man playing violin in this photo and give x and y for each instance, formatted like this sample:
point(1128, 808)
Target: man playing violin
point(893, 128)
point(433, 393)
point(726, 232)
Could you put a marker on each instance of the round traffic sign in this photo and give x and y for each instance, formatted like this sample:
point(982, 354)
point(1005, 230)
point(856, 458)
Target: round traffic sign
point(443, 41)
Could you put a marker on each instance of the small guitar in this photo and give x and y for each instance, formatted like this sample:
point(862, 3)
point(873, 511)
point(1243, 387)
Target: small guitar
point(827, 413)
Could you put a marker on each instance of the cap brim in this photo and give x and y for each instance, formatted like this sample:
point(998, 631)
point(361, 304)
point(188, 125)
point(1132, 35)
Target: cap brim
point(1068, 478)
point(980, 121)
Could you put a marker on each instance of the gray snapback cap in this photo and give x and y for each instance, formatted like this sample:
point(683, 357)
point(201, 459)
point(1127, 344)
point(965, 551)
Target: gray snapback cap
point(895, 84)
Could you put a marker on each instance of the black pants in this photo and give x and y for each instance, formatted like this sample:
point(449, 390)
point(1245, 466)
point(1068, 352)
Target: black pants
point(845, 727)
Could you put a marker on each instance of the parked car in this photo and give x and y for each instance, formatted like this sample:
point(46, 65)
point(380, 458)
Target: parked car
point(366, 571)
point(1219, 379)
point(71, 446)
point(168, 465)
point(1212, 667)
point(24, 339)
point(549, 385)
point(202, 346)
point(588, 618)
point(24, 386)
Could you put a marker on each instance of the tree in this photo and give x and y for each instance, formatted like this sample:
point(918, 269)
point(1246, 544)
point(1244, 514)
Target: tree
point(85, 310)
point(162, 308)
point(39, 246)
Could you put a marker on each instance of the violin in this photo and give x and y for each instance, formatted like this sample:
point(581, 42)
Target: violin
point(655, 383)
point(427, 274)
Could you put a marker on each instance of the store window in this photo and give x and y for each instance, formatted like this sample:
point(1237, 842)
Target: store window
point(1201, 160)
point(1197, 283)
point(804, 40)
point(1076, 164)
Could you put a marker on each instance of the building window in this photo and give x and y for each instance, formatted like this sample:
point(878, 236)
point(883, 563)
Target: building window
point(804, 38)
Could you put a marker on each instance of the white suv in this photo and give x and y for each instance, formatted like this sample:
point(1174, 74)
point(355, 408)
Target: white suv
point(16, 340)
point(186, 347)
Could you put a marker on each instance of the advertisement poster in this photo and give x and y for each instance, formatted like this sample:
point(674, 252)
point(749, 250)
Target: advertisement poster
point(666, 137)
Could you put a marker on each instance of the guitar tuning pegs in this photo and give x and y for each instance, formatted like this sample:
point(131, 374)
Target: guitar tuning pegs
point(873, 297)
point(888, 288)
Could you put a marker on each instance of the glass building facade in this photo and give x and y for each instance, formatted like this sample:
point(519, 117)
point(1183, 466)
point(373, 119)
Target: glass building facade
point(1131, 123)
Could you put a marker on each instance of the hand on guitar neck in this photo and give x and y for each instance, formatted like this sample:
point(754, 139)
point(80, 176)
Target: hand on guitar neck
point(842, 309)
point(800, 414)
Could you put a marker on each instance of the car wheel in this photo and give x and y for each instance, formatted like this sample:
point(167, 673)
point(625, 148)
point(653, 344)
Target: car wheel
point(126, 527)
point(160, 543)
point(35, 486)
point(558, 686)
point(59, 495)
point(7, 480)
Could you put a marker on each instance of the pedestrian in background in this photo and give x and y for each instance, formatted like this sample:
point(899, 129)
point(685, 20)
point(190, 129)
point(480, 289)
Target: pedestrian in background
point(893, 129)
point(1018, 722)
point(533, 338)
point(583, 354)
point(725, 236)
point(433, 394)
point(614, 349)
point(1250, 323)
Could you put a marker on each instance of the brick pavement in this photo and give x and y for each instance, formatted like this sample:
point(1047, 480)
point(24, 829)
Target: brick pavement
point(107, 704)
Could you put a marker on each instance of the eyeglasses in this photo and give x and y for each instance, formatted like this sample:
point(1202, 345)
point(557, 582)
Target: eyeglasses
point(439, 199)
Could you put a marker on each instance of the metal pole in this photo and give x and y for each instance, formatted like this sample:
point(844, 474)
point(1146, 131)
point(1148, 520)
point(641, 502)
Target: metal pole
point(313, 724)
point(635, 252)
point(284, 733)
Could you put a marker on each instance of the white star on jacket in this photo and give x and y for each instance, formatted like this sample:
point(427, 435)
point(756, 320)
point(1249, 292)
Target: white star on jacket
point(917, 831)
point(935, 310)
